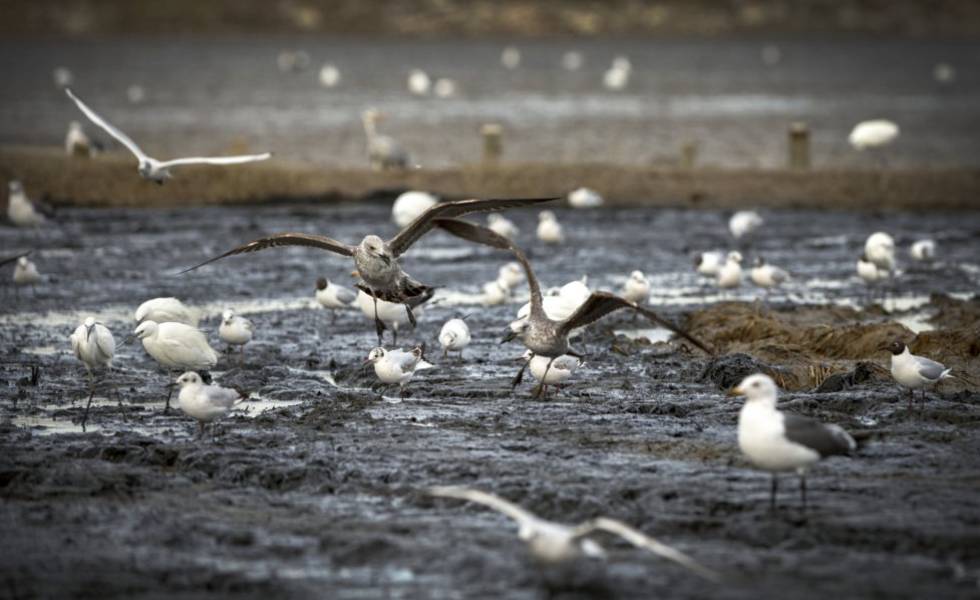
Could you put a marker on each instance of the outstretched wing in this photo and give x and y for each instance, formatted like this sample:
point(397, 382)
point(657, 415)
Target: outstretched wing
point(600, 304)
point(497, 503)
point(107, 126)
point(451, 210)
point(284, 239)
point(215, 160)
point(483, 235)
point(641, 540)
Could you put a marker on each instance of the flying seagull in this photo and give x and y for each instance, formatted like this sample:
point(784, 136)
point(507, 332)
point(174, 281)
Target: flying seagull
point(551, 542)
point(542, 335)
point(376, 260)
point(149, 167)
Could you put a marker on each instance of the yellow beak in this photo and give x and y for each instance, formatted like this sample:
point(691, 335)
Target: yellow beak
point(355, 274)
point(736, 391)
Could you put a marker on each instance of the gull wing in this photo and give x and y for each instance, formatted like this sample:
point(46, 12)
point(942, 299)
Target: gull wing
point(345, 295)
point(107, 126)
point(483, 235)
point(641, 540)
point(284, 239)
point(825, 440)
point(518, 514)
point(10, 259)
point(451, 210)
point(215, 160)
point(928, 368)
point(600, 304)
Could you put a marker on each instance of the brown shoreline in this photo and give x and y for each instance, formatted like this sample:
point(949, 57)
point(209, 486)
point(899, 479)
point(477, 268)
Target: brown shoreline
point(111, 180)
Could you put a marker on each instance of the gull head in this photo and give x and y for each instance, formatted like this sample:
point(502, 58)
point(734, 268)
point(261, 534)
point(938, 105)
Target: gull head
point(371, 115)
point(74, 126)
point(735, 257)
point(322, 283)
point(227, 316)
point(546, 215)
point(15, 187)
point(375, 247)
point(146, 329)
point(189, 378)
point(637, 276)
point(516, 329)
point(22, 262)
point(759, 261)
point(375, 355)
point(896, 347)
point(758, 387)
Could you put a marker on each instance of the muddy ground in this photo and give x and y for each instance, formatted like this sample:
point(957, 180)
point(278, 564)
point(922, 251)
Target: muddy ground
point(321, 495)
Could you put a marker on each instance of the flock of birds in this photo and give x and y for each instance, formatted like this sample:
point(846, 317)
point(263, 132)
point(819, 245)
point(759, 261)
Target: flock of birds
point(772, 440)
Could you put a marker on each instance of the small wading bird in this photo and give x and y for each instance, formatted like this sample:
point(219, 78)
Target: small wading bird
point(397, 366)
point(26, 273)
point(235, 330)
point(93, 344)
point(383, 151)
point(778, 441)
point(176, 346)
point(454, 336)
point(150, 168)
point(540, 334)
point(914, 372)
point(20, 210)
point(167, 310)
point(560, 369)
point(204, 402)
point(552, 543)
point(333, 297)
point(376, 260)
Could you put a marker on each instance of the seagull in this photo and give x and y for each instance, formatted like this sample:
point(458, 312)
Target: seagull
point(444, 88)
point(572, 60)
point(730, 274)
point(167, 310)
point(914, 372)
point(869, 272)
point(419, 82)
point(561, 369)
point(20, 210)
point(873, 134)
point(455, 335)
point(584, 198)
point(176, 346)
point(767, 276)
point(637, 288)
point(510, 57)
point(511, 274)
point(552, 543)
point(135, 94)
point(777, 441)
point(709, 263)
point(376, 260)
point(77, 142)
point(25, 272)
point(409, 205)
point(205, 403)
point(496, 292)
point(150, 168)
point(617, 76)
point(549, 229)
point(383, 151)
point(329, 76)
point(235, 330)
point(392, 315)
point(397, 366)
point(744, 223)
point(332, 296)
point(539, 333)
point(880, 249)
point(561, 303)
point(93, 344)
point(923, 250)
point(501, 225)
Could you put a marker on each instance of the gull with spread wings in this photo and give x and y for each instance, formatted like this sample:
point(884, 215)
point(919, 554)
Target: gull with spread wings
point(540, 334)
point(375, 259)
point(149, 167)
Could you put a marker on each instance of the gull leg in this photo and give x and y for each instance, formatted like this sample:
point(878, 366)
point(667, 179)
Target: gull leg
point(378, 325)
point(166, 407)
point(803, 490)
point(772, 493)
point(911, 397)
point(520, 375)
point(411, 315)
point(394, 335)
point(88, 405)
point(200, 429)
point(333, 316)
point(445, 352)
point(539, 392)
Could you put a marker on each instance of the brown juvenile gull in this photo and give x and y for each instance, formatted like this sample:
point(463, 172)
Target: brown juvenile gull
point(552, 543)
point(542, 335)
point(375, 259)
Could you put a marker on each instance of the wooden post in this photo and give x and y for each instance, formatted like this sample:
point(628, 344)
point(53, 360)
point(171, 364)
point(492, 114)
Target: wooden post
point(799, 146)
point(492, 142)
point(689, 155)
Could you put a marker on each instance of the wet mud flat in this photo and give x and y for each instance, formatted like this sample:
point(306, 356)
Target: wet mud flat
point(316, 488)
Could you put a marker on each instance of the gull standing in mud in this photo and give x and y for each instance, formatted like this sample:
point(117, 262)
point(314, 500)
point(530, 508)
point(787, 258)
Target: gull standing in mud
point(375, 259)
point(384, 152)
point(205, 403)
point(767, 276)
point(923, 250)
point(870, 273)
point(637, 288)
point(93, 344)
point(540, 334)
point(20, 210)
point(553, 543)
point(410, 205)
point(333, 297)
point(549, 229)
point(176, 346)
point(495, 293)
point(26, 273)
point(730, 274)
point(778, 441)
point(585, 198)
point(501, 225)
point(167, 310)
point(709, 263)
point(561, 369)
point(77, 142)
point(914, 372)
point(511, 274)
point(454, 336)
point(880, 249)
point(235, 330)
point(150, 168)
point(744, 223)
point(397, 366)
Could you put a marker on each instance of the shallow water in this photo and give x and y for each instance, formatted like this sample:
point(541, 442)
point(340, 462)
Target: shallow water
point(321, 492)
